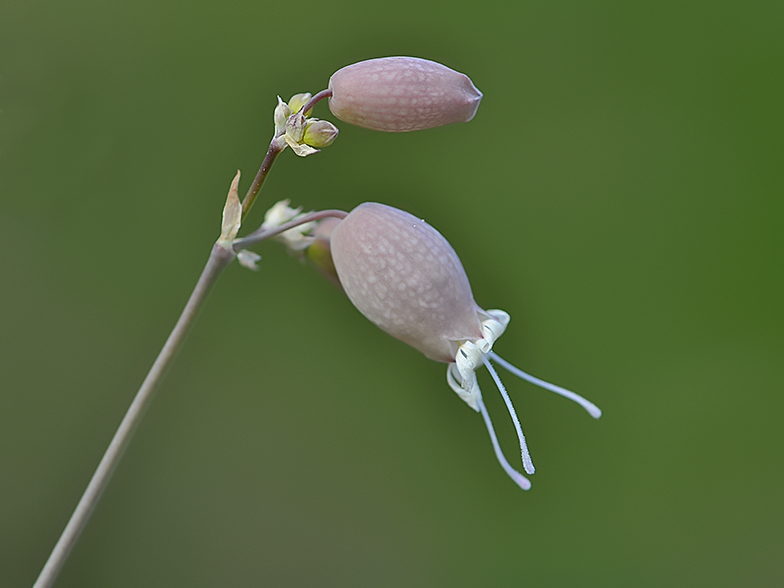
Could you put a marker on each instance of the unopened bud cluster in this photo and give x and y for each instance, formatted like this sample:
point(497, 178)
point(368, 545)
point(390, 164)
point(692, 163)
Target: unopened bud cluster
point(297, 130)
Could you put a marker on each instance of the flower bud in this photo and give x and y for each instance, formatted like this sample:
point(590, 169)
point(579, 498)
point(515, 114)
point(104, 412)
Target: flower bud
point(398, 94)
point(320, 133)
point(295, 133)
point(295, 127)
point(298, 101)
point(406, 278)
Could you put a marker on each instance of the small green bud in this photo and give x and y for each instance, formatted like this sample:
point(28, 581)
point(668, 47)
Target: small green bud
point(319, 133)
point(298, 101)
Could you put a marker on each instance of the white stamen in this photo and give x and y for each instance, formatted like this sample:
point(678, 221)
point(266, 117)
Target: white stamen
point(516, 476)
point(592, 409)
point(528, 465)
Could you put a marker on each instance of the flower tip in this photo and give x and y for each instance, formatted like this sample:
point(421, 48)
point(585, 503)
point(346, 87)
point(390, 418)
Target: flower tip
point(473, 99)
point(521, 480)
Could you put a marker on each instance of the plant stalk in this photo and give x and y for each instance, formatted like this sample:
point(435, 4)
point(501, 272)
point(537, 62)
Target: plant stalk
point(220, 257)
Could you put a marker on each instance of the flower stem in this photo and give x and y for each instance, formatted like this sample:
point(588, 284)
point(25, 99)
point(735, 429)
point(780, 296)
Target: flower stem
point(274, 150)
point(220, 257)
point(262, 234)
point(318, 97)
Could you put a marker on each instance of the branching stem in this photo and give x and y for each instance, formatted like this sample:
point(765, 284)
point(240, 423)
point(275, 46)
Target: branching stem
point(220, 257)
point(275, 147)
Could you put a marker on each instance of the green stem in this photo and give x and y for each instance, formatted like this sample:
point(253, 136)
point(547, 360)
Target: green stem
point(220, 257)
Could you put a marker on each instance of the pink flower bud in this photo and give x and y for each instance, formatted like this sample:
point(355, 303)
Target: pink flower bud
point(398, 94)
point(405, 277)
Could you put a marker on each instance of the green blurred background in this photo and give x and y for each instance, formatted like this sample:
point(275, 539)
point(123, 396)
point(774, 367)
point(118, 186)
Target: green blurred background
point(619, 193)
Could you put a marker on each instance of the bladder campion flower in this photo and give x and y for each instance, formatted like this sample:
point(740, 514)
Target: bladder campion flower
point(398, 94)
point(404, 276)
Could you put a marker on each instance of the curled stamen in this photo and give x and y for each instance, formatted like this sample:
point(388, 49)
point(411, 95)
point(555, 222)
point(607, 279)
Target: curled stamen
point(516, 476)
point(528, 465)
point(592, 409)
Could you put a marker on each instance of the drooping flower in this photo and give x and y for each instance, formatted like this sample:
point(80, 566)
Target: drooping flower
point(404, 276)
point(398, 94)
